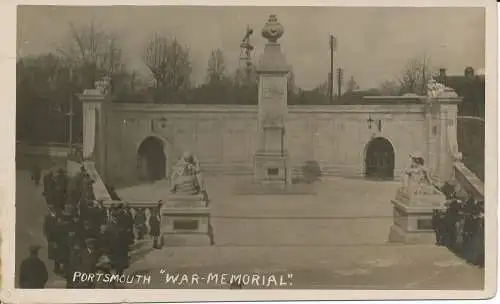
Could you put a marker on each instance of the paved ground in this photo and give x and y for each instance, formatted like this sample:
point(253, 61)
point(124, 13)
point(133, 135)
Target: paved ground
point(314, 267)
point(333, 240)
point(343, 211)
point(30, 212)
point(336, 239)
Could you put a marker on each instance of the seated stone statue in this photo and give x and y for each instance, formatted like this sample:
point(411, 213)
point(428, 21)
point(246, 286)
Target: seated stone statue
point(418, 180)
point(186, 178)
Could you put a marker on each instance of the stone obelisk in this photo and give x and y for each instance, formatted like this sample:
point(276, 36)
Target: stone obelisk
point(271, 161)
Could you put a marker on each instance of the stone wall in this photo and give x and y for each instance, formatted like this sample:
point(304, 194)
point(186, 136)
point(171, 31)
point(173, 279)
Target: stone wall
point(224, 138)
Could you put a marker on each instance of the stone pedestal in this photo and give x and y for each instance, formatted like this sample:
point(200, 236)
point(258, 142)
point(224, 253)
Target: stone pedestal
point(412, 215)
point(272, 168)
point(184, 215)
point(271, 161)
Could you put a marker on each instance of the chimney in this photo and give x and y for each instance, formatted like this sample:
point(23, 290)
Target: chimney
point(469, 72)
point(442, 76)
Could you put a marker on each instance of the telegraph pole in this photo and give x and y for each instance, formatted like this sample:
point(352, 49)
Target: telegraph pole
point(340, 78)
point(70, 113)
point(333, 46)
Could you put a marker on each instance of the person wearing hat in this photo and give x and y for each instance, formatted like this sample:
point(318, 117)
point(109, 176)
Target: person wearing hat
point(154, 226)
point(33, 272)
point(74, 264)
point(89, 260)
point(140, 223)
point(118, 249)
point(36, 174)
point(49, 230)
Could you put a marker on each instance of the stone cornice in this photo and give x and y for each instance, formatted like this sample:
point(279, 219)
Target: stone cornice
point(293, 109)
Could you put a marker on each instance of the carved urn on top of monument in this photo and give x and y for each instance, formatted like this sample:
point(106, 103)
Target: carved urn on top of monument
point(273, 30)
point(271, 161)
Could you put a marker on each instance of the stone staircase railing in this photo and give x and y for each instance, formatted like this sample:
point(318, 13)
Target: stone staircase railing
point(101, 192)
point(468, 181)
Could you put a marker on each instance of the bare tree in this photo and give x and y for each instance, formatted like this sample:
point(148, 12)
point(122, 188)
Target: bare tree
point(155, 57)
point(415, 76)
point(169, 63)
point(178, 67)
point(216, 70)
point(94, 52)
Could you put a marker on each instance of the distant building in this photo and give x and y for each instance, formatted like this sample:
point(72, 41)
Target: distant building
point(470, 86)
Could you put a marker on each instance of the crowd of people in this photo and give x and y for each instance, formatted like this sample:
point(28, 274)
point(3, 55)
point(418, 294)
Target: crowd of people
point(460, 227)
point(82, 234)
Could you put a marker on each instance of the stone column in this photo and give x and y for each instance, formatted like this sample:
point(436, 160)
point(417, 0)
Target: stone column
point(271, 163)
point(93, 105)
point(448, 147)
point(89, 122)
point(441, 115)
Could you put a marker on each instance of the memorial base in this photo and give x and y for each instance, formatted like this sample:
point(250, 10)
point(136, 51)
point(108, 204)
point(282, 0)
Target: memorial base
point(272, 168)
point(186, 215)
point(413, 218)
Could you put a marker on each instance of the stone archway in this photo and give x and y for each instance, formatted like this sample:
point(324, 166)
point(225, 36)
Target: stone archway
point(152, 159)
point(379, 159)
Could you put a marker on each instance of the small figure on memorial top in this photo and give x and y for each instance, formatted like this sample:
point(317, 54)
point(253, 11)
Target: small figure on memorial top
point(273, 30)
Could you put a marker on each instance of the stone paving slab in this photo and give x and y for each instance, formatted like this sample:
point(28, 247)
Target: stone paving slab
point(312, 267)
point(343, 211)
point(340, 197)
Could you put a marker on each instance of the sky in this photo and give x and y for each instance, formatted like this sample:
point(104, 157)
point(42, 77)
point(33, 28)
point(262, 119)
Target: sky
point(374, 44)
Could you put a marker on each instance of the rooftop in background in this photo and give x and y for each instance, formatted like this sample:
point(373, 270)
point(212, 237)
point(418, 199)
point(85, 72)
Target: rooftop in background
point(403, 99)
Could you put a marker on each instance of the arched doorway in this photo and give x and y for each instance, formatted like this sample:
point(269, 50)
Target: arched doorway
point(151, 159)
point(379, 159)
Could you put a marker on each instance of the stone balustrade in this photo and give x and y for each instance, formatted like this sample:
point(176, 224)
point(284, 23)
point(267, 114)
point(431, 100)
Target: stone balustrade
point(100, 191)
point(469, 181)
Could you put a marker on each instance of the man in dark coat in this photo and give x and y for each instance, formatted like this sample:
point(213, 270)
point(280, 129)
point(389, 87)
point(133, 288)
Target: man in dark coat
point(118, 248)
point(89, 259)
point(128, 219)
point(33, 272)
point(62, 180)
point(48, 182)
point(469, 228)
point(90, 231)
point(63, 238)
point(74, 265)
point(451, 219)
point(100, 215)
point(140, 223)
point(36, 174)
point(49, 230)
point(154, 225)
point(49, 188)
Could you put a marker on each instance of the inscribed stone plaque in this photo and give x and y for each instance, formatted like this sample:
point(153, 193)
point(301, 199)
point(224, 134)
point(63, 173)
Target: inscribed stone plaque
point(185, 224)
point(424, 224)
point(273, 88)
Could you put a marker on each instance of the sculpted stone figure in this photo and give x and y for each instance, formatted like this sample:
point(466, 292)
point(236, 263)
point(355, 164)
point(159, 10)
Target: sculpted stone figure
point(418, 179)
point(187, 178)
point(437, 90)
